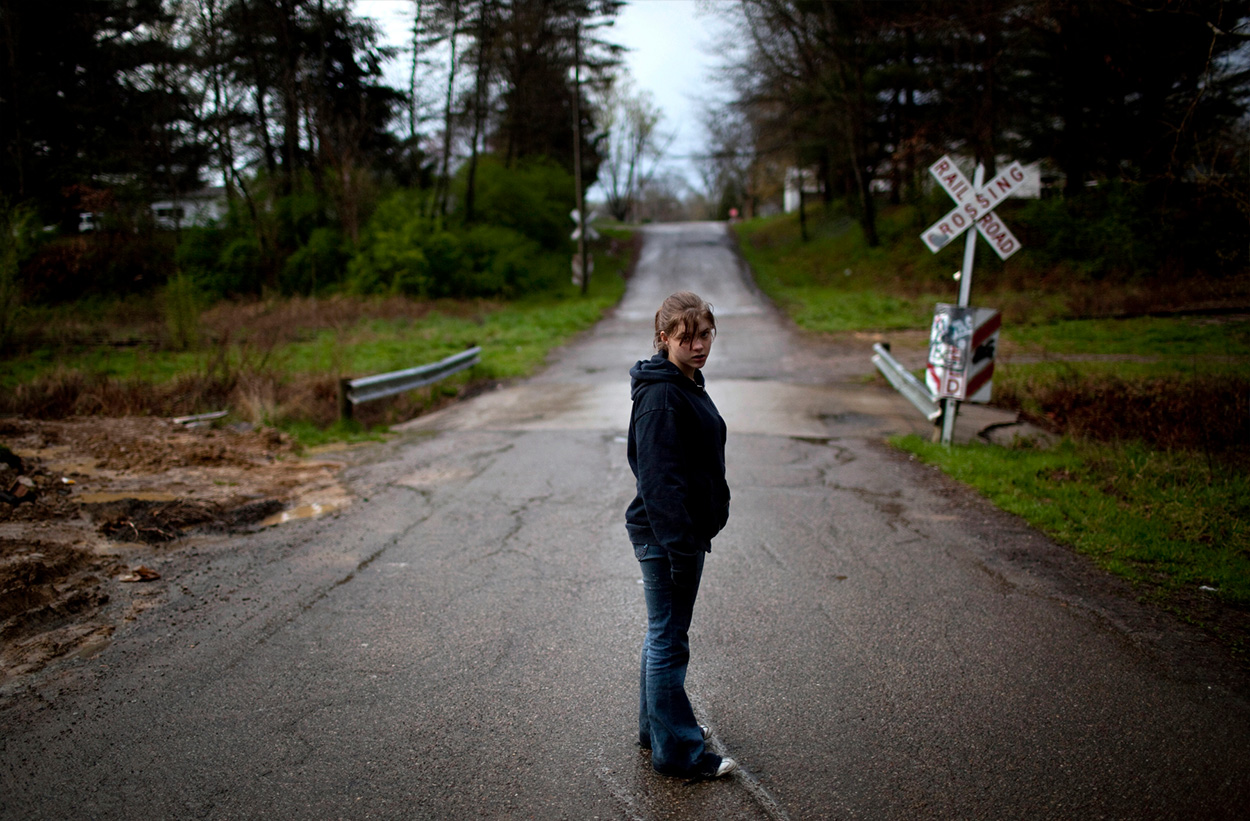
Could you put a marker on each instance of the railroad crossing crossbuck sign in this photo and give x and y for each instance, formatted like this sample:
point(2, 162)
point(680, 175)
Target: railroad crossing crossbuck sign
point(591, 233)
point(579, 276)
point(974, 207)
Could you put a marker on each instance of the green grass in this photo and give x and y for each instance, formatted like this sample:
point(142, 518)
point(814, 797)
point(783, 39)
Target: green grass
point(1172, 337)
point(1165, 521)
point(118, 363)
point(515, 337)
point(834, 282)
point(310, 435)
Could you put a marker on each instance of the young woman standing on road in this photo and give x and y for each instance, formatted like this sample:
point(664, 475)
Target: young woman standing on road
point(677, 454)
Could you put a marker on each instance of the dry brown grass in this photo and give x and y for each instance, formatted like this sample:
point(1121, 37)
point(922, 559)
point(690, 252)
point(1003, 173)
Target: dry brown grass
point(271, 322)
point(238, 370)
point(72, 393)
point(256, 397)
point(1204, 414)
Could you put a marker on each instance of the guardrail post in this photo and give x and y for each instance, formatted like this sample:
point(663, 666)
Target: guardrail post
point(345, 404)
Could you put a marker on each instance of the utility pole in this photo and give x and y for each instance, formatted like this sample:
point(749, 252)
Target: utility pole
point(577, 154)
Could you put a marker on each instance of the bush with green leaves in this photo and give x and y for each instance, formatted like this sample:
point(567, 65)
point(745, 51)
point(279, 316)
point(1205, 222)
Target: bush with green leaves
point(533, 198)
point(17, 237)
point(392, 254)
point(1102, 233)
point(515, 245)
point(1124, 231)
point(182, 311)
point(317, 264)
point(288, 243)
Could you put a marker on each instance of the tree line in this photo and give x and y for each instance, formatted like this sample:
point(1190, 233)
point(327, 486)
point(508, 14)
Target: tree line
point(109, 105)
point(1139, 103)
point(460, 183)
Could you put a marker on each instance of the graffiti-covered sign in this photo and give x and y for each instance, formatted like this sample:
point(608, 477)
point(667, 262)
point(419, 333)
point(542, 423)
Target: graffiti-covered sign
point(962, 343)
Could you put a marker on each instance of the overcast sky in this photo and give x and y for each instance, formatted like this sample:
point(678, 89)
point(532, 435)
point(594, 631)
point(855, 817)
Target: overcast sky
point(670, 54)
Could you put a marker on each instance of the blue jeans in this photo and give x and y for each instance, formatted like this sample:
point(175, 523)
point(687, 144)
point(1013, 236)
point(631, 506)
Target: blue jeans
point(666, 722)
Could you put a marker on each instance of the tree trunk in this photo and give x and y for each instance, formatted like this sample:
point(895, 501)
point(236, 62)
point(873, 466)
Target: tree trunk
point(444, 180)
point(289, 49)
point(412, 75)
point(868, 209)
point(481, 90)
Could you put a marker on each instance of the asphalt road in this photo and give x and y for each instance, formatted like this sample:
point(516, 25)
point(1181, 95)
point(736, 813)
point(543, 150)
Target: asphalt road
point(871, 641)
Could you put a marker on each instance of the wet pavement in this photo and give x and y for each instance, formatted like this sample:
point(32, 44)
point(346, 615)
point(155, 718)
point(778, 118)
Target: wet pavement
point(871, 640)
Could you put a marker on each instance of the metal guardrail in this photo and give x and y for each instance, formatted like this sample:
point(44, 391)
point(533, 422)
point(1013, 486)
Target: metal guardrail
point(912, 388)
point(367, 388)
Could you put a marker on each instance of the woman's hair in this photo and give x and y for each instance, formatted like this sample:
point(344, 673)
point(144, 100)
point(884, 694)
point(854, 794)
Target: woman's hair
point(679, 317)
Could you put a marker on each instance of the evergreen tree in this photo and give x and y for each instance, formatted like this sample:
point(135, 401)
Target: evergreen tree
point(92, 98)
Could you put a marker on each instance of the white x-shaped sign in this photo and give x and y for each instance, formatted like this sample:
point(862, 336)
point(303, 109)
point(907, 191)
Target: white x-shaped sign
point(591, 233)
point(973, 207)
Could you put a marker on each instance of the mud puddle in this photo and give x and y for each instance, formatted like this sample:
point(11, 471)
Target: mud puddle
point(102, 500)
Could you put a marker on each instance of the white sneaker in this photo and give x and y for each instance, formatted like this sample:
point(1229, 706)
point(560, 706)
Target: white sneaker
point(727, 765)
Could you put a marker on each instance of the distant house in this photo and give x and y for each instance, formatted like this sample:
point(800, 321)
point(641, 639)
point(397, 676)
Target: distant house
point(193, 209)
point(799, 182)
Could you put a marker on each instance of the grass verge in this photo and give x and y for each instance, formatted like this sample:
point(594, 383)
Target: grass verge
point(278, 362)
point(1176, 529)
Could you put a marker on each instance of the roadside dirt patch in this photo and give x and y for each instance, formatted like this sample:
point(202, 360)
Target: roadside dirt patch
point(87, 503)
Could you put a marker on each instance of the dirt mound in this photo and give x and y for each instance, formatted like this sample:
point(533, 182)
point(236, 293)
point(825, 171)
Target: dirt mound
point(86, 504)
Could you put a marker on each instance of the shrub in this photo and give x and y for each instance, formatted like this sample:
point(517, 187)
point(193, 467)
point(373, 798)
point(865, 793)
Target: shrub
point(238, 268)
point(506, 252)
point(16, 239)
point(391, 257)
point(199, 255)
point(532, 198)
point(116, 263)
point(1102, 233)
point(1128, 231)
point(504, 261)
point(182, 312)
point(315, 265)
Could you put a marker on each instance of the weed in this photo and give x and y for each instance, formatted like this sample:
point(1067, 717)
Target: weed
point(182, 312)
point(16, 239)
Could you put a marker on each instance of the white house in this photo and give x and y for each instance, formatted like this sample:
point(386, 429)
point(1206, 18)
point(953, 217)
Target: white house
point(193, 209)
point(799, 179)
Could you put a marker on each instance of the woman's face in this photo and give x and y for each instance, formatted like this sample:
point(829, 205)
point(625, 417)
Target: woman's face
point(689, 351)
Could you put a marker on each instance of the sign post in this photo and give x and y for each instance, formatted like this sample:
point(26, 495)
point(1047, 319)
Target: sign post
point(949, 353)
point(583, 262)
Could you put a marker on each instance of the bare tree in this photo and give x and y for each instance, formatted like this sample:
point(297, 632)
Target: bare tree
point(444, 178)
point(635, 147)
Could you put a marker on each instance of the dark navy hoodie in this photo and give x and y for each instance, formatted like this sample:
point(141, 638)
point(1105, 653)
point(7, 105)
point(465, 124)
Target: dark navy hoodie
point(677, 453)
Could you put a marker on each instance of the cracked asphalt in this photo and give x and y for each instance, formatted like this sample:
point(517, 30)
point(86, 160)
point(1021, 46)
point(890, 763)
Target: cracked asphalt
point(871, 641)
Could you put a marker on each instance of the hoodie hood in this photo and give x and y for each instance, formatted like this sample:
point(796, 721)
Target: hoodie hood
point(659, 369)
